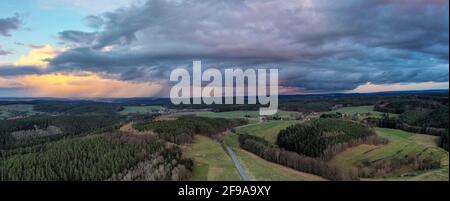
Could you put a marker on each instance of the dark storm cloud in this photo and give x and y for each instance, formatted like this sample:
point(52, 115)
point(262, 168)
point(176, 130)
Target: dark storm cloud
point(318, 45)
point(9, 24)
point(11, 71)
point(78, 37)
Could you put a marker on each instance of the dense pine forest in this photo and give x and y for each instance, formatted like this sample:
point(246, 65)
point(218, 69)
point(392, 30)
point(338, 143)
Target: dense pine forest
point(182, 130)
point(91, 148)
point(85, 148)
point(107, 156)
point(322, 137)
point(43, 128)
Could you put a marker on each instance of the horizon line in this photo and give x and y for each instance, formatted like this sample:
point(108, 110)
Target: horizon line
point(165, 97)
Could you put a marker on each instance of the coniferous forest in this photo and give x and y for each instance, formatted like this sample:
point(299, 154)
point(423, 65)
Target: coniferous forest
point(182, 130)
point(320, 137)
point(136, 140)
point(92, 147)
point(103, 157)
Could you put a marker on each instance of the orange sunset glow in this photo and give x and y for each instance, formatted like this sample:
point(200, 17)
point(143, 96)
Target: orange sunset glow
point(86, 85)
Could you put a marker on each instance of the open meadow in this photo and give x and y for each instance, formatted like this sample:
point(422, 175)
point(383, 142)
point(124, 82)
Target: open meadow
point(367, 111)
point(211, 163)
point(267, 130)
point(401, 145)
point(261, 170)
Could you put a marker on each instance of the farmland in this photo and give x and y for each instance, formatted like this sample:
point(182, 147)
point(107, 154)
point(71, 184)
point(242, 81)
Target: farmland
point(262, 170)
point(358, 109)
point(401, 145)
point(243, 114)
point(367, 111)
point(211, 163)
point(267, 130)
point(300, 143)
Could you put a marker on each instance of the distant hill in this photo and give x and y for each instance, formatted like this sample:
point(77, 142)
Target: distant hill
point(165, 99)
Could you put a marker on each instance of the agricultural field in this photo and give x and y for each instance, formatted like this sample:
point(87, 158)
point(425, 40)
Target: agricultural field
point(211, 163)
point(358, 109)
point(261, 170)
point(244, 114)
point(315, 149)
point(141, 109)
point(425, 140)
point(401, 144)
point(11, 111)
point(368, 111)
point(268, 130)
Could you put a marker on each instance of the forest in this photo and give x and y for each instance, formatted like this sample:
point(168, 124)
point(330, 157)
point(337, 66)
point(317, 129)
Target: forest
point(182, 130)
point(426, 117)
point(431, 112)
point(110, 156)
point(67, 125)
point(74, 140)
point(322, 137)
point(90, 147)
point(295, 160)
point(326, 102)
point(444, 141)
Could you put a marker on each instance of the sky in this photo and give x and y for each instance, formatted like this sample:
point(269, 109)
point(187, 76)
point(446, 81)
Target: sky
point(127, 48)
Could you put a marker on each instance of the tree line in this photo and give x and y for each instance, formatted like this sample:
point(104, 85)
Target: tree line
point(76, 107)
point(437, 118)
point(401, 106)
point(325, 137)
point(395, 123)
point(379, 168)
point(296, 161)
point(425, 115)
point(444, 141)
point(182, 130)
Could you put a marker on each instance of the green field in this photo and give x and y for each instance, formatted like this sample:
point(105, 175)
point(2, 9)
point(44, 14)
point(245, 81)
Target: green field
point(261, 170)
point(425, 140)
point(10, 111)
point(268, 130)
point(368, 110)
point(231, 139)
point(357, 109)
point(401, 144)
point(211, 163)
point(140, 109)
point(243, 114)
